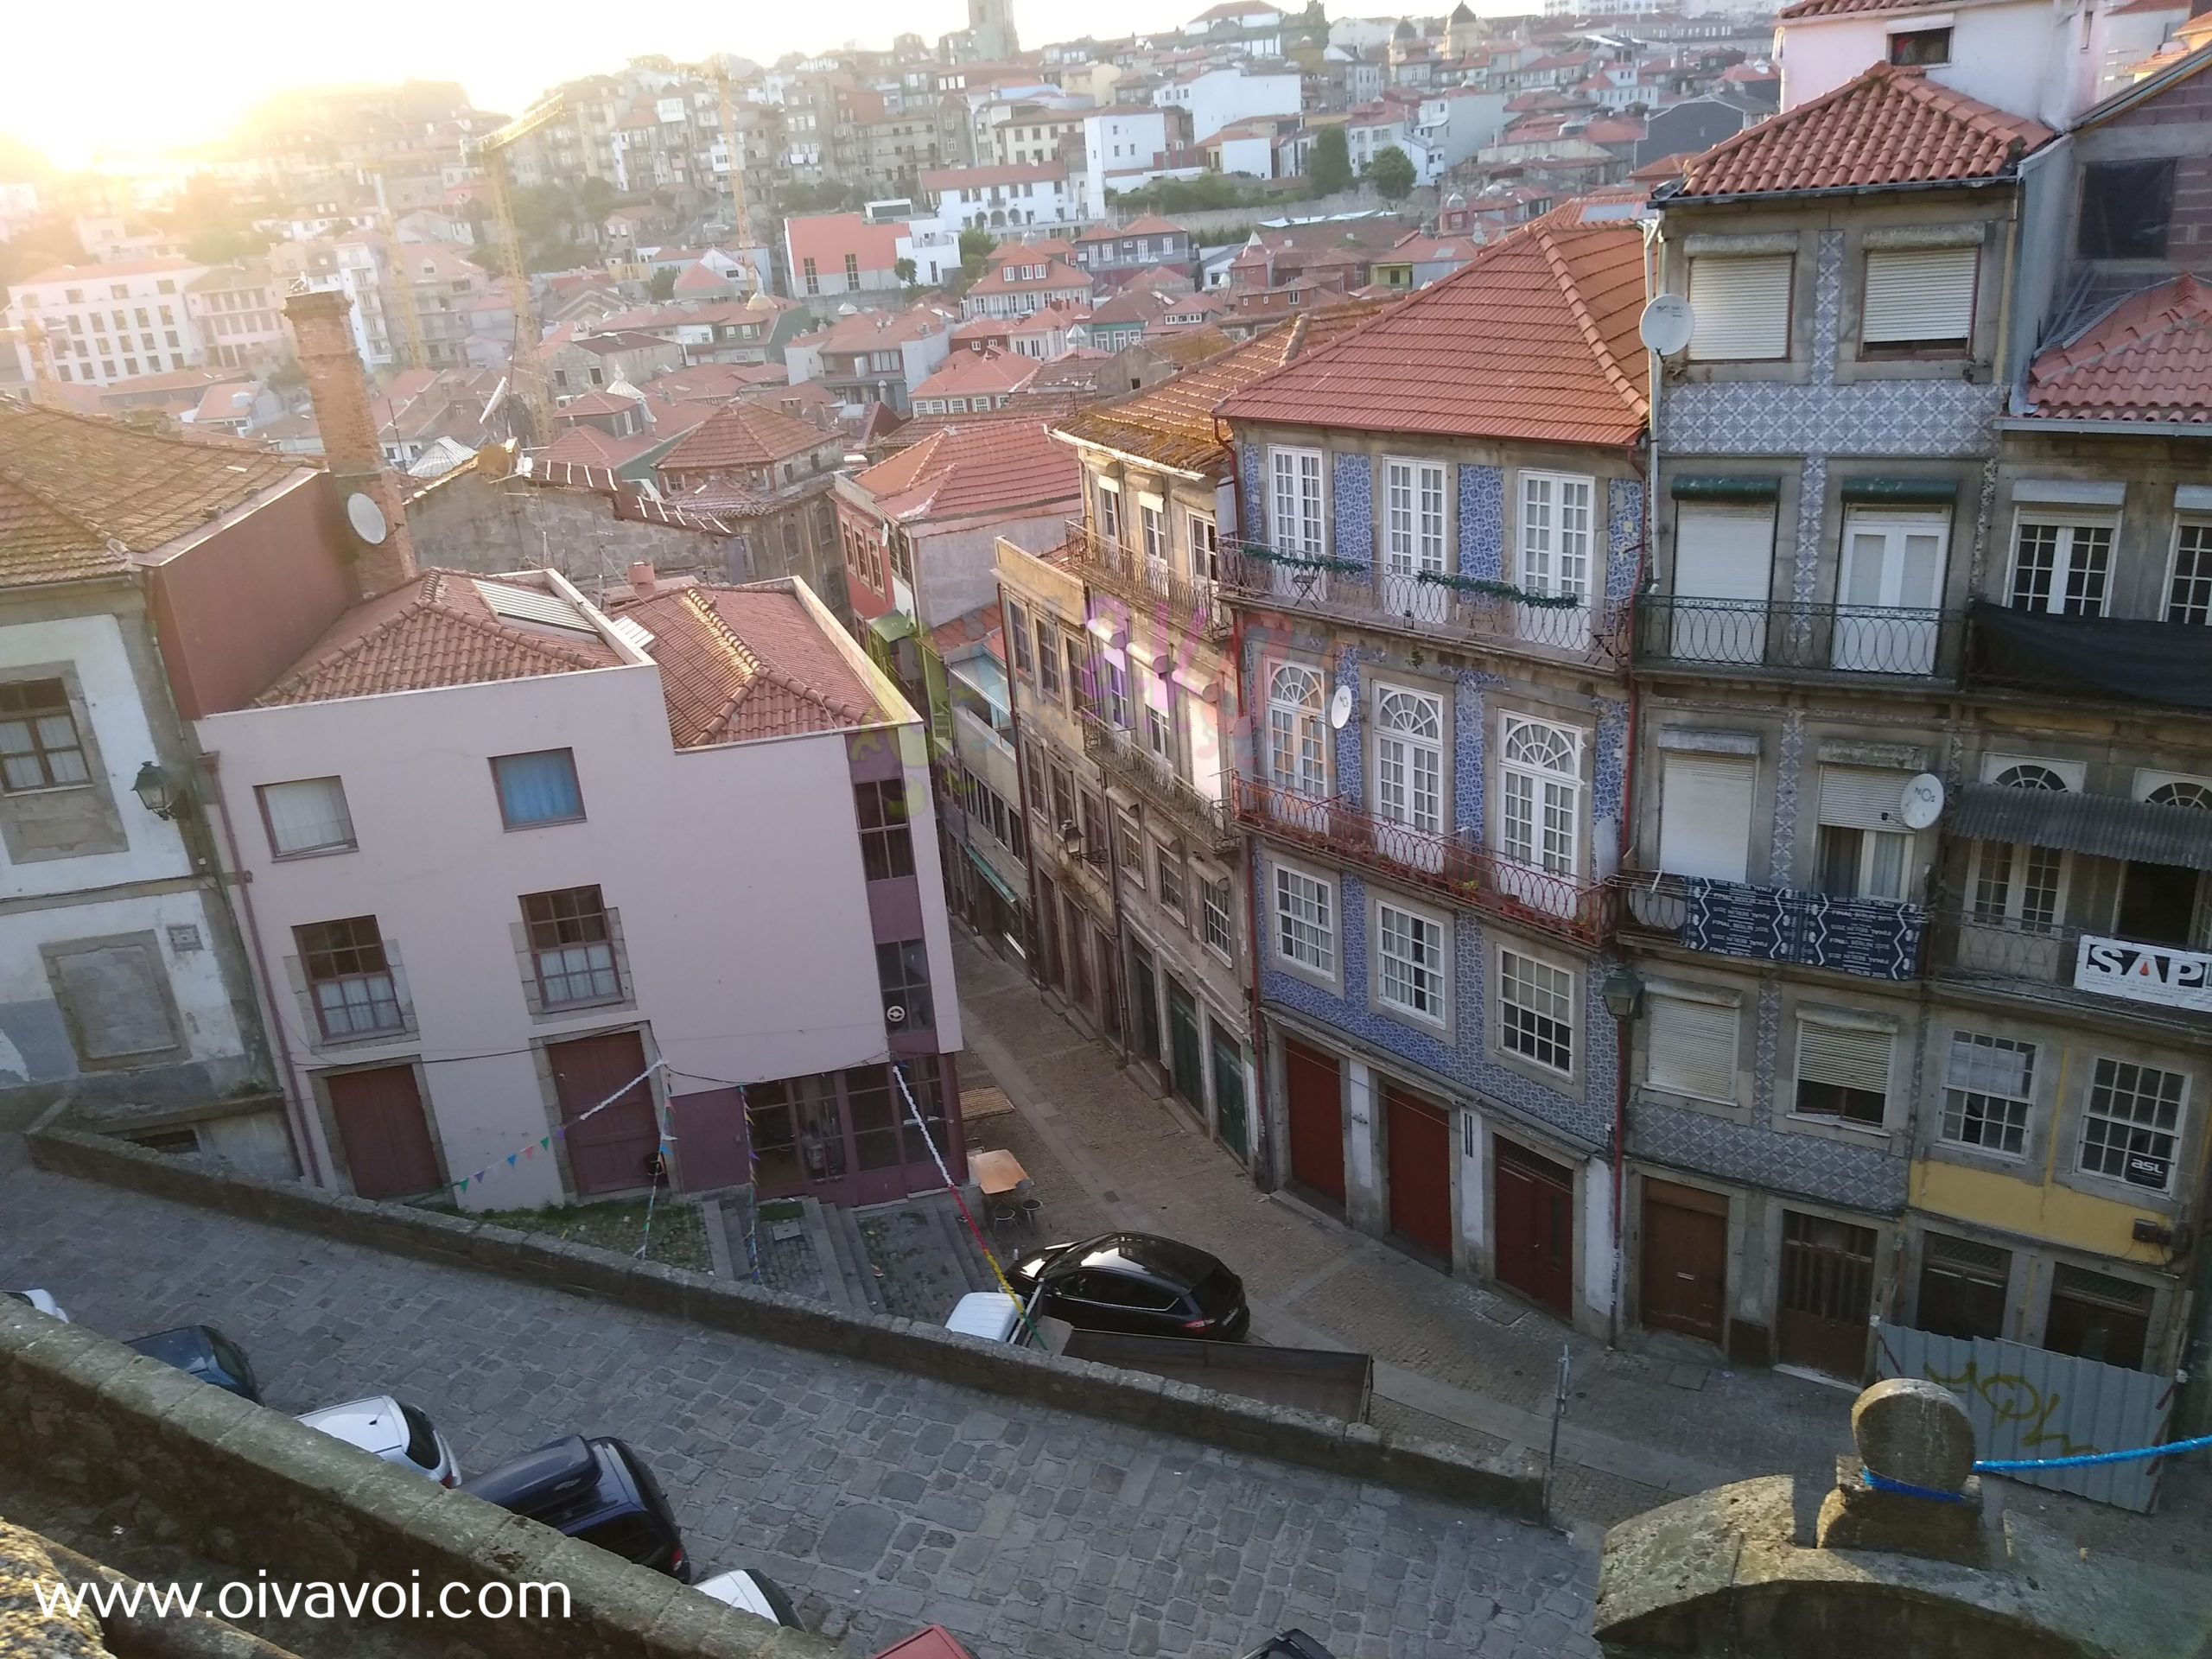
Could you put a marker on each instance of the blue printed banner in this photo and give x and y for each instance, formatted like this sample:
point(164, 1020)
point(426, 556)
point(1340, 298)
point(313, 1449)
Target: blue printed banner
point(1874, 938)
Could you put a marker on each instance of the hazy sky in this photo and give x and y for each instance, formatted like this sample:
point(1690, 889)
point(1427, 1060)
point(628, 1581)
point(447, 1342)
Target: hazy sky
point(173, 73)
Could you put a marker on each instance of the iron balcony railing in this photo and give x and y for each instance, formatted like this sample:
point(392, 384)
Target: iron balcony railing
point(1188, 605)
point(1428, 602)
point(1124, 760)
point(1873, 939)
point(1997, 950)
point(1761, 636)
point(1451, 865)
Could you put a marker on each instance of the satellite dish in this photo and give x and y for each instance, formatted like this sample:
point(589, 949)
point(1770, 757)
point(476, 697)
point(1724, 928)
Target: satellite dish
point(366, 517)
point(1340, 708)
point(1921, 802)
point(1668, 324)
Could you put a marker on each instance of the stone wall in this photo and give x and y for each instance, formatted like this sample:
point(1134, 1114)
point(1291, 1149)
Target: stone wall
point(469, 522)
point(1358, 1451)
point(256, 1490)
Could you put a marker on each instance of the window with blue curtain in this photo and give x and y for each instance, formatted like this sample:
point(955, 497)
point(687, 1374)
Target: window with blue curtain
point(538, 788)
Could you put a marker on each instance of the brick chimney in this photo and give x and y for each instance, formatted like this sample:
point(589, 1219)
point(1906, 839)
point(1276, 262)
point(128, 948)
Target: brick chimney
point(340, 392)
point(641, 578)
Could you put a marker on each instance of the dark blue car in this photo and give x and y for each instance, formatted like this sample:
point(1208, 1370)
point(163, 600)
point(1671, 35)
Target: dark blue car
point(205, 1352)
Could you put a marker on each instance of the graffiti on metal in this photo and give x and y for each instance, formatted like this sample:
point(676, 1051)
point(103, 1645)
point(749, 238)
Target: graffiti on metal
point(2026, 1403)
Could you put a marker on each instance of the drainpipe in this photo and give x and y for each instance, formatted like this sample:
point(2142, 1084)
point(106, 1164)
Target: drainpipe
point(286, 1077)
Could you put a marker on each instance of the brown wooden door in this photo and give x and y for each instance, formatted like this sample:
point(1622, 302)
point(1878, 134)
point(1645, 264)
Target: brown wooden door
point(1827, 1290)
point(1420, 1158)
point(1534, 1201)
point(1683, 1277)
point(610, 1150)
point(385, 1131)
point(1313, 1090)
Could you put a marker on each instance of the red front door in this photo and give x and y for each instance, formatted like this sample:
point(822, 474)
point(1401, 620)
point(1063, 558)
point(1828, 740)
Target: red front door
point(384, 1131)
point(1535, 1226)
point(609, 1150)
point(1313, 1089)
point(1419, 1157)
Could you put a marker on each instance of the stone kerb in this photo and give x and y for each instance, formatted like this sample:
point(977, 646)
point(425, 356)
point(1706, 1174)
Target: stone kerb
point(1139, 1399)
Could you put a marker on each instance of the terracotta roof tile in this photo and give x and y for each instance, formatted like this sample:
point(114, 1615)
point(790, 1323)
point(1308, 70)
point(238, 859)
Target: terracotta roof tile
point(1173, 423)
point(1890, 126)
point(747, 434)
point(978, 373)
point(741, 663)
point(998, 468)
point(81, 493)
point(1533, 337)
point(2148, 359)
point(436, 631)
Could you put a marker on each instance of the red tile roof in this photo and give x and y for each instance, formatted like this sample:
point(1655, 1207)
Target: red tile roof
point(1890, 126)
point(970, 374)
point(742, 663)
point(1838, 8)
point(878, 330)
point(828, 237)
point(81, 493)
point(972, 178)
point(2150, 358)
point(746, 434)
point(436, 631)
point(999, 469)
point(1173, 423)
point(1533, 337)
point(587, 445)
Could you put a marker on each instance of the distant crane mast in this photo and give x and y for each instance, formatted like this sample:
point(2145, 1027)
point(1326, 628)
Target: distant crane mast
point(734, 150)
point(410, 317)
point(527, 368)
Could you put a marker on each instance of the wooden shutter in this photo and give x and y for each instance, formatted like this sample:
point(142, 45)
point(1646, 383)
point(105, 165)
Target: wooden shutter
point(1848, 1057)
point(1693, 1047)
point(1861, 797)
point(1919, 293)
point(1724, 552)
point(1742, 305)
point(1705, 815)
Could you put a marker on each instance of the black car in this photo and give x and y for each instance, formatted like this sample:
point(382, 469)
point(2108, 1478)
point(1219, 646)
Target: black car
point(1134, 1282)
point(205, 1352)
point(1290, 1644)
point(594, 1489)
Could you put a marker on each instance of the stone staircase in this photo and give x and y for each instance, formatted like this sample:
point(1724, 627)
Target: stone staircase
point(915, 1257)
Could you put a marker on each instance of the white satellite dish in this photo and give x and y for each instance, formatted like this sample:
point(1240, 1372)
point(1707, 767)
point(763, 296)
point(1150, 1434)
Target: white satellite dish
point(366, 517)
point(1340, 706)
point(1668, 324)
point(1921, 803)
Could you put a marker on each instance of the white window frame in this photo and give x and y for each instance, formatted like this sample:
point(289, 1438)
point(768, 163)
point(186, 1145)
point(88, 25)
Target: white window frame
point(1217, 918)
point(2175, 1136)
point(1111, 525)
point(345, 838)
point(2149, 782)
point(2016, 1117)
point(1412, 770)
point(1291, 724)
point(1504, 1028)
point(2170, 604)
point(1556, 557)
point(1416, 516)
point(2007, 906)
point(1423, 931)
point(1297, 501)
point(1318, 930)
point(2076, 542)
point(2071, 774)
point(1540, 789)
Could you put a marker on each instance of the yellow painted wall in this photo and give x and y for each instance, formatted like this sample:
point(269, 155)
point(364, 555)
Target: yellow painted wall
point(2050, 1211)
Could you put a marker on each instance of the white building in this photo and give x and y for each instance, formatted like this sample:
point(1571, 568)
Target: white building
point(1122, 140)
point(1456, 121)
point(595, 890)
point(112, 323)
point(1214, 97)
point(997, 198)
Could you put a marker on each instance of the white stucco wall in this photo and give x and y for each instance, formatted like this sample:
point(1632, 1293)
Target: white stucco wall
point(735, 873)
point(2007, 54)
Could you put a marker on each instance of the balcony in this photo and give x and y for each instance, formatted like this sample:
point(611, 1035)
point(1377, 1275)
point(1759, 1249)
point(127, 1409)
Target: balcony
point(1125, 760)
point(1873, 939)
point(2103, 658)
point(1451, 866)
point(1764, 637)
point(1178, 602)
point(2070, 965)
point(1431, 604)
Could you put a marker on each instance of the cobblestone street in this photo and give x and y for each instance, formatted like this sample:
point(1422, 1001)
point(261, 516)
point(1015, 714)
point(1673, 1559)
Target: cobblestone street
point(883, 1502)
point(1455, 1360)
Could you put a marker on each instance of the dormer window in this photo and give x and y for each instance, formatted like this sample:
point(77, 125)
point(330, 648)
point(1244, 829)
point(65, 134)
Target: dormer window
point(1920, 47)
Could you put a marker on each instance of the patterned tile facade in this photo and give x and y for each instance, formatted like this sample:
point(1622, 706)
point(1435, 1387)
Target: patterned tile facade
point(1813, 1166)
point(1766, 1047)
point(1482, 521)
point(1789, 767)
point(1464, 1066)
point(1255, 519)
point(1623, 535)
point(1609, 762)
point(1885, 417)
point(1353, 489)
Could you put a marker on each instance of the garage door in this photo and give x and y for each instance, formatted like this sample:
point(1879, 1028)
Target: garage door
point(384, 1131)
point(1314, 1087)
point(1535, 1226)
point(1420, 1170)
point(609, 1151)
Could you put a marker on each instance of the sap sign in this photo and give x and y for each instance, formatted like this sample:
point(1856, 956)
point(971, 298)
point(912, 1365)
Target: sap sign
point(2144, 973)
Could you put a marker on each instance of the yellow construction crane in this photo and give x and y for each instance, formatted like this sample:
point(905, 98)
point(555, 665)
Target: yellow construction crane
point(526, 371)
point(410, 317)
point(734, 149)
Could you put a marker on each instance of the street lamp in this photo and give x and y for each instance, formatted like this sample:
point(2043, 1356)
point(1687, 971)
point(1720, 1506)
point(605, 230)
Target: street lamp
point(1623, 991)
point(161, 794)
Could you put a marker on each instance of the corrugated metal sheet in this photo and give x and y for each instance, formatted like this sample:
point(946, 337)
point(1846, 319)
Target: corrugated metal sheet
point(2026, 1403)
point(2103, 825)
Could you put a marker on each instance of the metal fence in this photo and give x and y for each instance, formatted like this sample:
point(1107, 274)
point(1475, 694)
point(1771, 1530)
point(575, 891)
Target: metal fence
point(1182, 603)
point(1725, 633)
point(2027, 1402)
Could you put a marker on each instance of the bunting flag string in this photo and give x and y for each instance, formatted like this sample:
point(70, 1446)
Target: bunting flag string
point(544, 1142)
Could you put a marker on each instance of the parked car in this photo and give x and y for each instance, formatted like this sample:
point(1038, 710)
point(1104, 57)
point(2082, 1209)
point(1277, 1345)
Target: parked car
point(1134, 1282)
point(1290, 1644)
point(754, 1592)
point(595, 1489)
point(207, 1353)
point(931, 1641)
point(991, 1314)
point(39, 1299)
point(395, 1432)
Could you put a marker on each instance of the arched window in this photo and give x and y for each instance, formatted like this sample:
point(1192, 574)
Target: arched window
point(1297, 752)
point(2182, 793)
point(2030, 776)
point(1540, 819)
